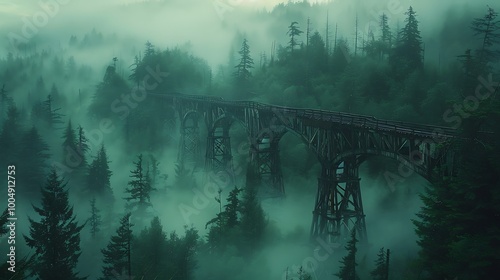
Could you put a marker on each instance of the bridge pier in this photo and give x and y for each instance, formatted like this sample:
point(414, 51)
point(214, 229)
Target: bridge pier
point(265, 159)
point(339, 208)
point(218, 155)
point(189, 150)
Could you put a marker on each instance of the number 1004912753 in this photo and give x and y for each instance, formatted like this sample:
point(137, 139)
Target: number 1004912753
point(11, 189)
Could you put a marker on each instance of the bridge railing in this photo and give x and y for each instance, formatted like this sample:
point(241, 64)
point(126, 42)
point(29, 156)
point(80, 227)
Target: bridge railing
point(358, 120)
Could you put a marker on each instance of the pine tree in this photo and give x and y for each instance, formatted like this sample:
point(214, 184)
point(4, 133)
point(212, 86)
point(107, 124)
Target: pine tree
point(117, 254)
point(381, 266)
point(231, 208)
point(348, 269)
point(33, 161)
point(82, 145)
point(407, 55)
point(223, 225)
point(50, 115)
point(95, 219)
point(56, 238)
point(293, 33)
point(140, 188)
point(150, 251)
point(215, 234)
point(253, 220)
point(98, 176)
point(385, 40)
point(71, 156)
point(10, 136)
point(185, 260)
point(318, 56)
point(5, 102)
point(243, 73)
point(455, 222)
point(488, 29)
point(385, 31)
point(433, 229)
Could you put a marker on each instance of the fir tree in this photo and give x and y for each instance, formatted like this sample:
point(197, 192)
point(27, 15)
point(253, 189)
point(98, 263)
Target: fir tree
point(231, 208)
point(455, 222)
point(117, 254)
point(185, 260)
point(33, 162)
point(293, 33)
point(348, 268)
point(150, 252)
point(140, 188)
point(10, 136)
point(488, 29)
point(243, 73)
point(385, 31)
point(82, 145)
point(253, 220)
point(95, 219)
point(99, 174)
point(381, 267)
point(71, 157)
point(56, 238)
point(50, 114)
point(407, 55)
point(215, 234)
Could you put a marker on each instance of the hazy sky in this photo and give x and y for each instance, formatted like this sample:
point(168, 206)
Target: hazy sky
point(210, 33)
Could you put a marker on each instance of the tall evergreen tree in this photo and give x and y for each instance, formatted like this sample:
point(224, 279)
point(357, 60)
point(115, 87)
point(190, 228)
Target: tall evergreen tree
point(407, 55)
point(56, 238)
point(71, 157)
point(117, 254)
point(456, 221)
point(184, 251)
point(10, 136)
point(253, 220)
point(293, 33)
point(385, 31)
point(50, 114)
point(381, 267)
point(231, 208)
point(318, 55)
point(99, 174)
point(348, 268)
point(82, 145)
point(487, 29)
point(109, 90)
point(150, 252)
point(243, 73)
point(33, 162)
point(95, 219)
point(140, 188)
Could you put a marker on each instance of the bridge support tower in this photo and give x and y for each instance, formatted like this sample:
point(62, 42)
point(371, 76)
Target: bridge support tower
point(189, 150)
point(218, 155)
point(339, 208)
point(265, 160)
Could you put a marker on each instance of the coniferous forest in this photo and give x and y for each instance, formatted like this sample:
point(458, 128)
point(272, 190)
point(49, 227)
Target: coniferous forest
point(97, 184)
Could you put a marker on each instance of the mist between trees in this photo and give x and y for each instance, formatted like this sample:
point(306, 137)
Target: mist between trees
point(103, 193)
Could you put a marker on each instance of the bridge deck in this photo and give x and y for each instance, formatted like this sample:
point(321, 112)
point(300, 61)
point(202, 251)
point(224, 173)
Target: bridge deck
point(343, 118)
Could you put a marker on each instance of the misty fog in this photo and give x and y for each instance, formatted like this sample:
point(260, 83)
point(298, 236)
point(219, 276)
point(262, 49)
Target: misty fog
point(88, 56)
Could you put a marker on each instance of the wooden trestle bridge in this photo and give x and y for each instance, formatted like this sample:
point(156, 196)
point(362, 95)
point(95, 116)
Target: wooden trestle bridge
point(341, 141)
